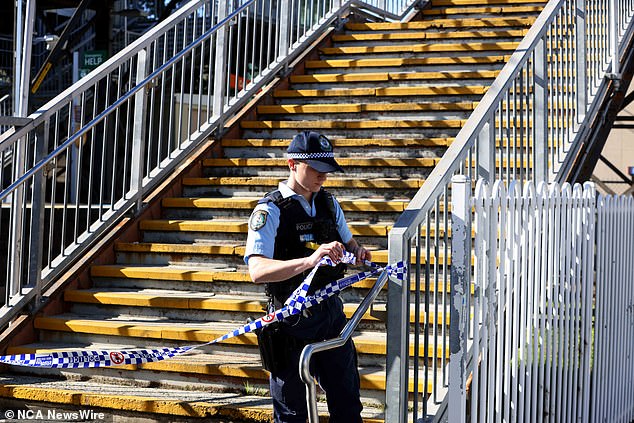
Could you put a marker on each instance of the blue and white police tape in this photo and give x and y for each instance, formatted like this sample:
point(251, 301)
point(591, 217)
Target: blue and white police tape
point(296, 303)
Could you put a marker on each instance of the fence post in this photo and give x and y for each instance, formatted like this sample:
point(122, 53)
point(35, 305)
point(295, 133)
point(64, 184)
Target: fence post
point(460, 292)
point(220, 67)
point(540, 147)
point(397, 354)
point(139, 132)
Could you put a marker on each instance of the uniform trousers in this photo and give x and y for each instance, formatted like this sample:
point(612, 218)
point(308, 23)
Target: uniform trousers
point(336, 370)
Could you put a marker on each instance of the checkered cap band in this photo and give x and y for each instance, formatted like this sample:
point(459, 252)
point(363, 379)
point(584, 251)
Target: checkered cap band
point(308, 156)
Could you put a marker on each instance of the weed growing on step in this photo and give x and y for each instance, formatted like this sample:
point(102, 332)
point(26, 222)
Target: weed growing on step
point(257, 391)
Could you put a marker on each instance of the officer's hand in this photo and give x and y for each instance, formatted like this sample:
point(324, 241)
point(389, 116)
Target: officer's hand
point(361, 253)
point(334, 250)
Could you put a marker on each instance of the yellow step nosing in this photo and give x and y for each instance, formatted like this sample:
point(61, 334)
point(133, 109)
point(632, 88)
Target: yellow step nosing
point(377, 92)
point(330, 124)
point(381, 36)
point(193, 225)
point(232, 203)
point(482, 10)
point(352, 77)
point(421, 48)
point(166, 273)
point(241, 227)
point(365, 107)
point(441, 23)
point(345, 142)
point(157, 247)
point(346, 63)
point(379, 183)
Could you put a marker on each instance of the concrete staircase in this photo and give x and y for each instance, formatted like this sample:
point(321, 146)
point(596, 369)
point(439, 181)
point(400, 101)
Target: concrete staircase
point(391, 97)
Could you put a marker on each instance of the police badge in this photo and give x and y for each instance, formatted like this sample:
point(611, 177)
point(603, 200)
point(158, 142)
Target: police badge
point(258, 220)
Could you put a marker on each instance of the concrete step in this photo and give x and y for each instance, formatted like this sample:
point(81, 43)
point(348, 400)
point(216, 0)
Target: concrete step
point(379, 256)
point(208, 207)
point(346, 147)
point(367, 168)
point(370, 92)
point(136, 330)
point(388, 188)
point(484, 2)
point(188, 231)
point(205, 306)
point(376, 111)
point(445, 36)
point(197, 280)
point(454, 62)
point(391, 77)
point(128, 402)
point(454, 23)
point(483, 12)
point(215, 371)
point(399, 50)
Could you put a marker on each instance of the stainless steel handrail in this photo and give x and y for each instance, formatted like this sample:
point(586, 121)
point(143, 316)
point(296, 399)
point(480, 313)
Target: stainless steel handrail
point(344, 336)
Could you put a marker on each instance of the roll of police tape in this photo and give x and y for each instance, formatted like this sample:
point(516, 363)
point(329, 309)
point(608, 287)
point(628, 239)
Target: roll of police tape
point(297, 302)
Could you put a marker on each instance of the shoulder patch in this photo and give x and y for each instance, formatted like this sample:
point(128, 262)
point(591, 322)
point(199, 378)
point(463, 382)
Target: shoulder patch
point(258, 220)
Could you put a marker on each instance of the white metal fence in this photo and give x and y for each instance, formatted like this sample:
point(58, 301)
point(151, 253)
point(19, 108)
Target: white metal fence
point(546, 259)
point(613, 369)
point(530, 124)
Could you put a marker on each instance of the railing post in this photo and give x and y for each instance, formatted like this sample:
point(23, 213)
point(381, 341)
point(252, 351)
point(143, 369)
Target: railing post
point(16, 245)
point(581, 81)
point(139, 132)
point(284, 31)
point(486, 153)
point(460, 293)
point(540, 140)
point(220, 66)
point(613, 30)
point(397, 357)
point(38, 202)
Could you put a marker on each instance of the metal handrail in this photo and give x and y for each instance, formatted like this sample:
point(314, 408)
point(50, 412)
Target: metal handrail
point(344, 336)
point(537, 110)
point(117, 103)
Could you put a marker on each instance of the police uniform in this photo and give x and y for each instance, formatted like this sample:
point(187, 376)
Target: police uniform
point(279, 228)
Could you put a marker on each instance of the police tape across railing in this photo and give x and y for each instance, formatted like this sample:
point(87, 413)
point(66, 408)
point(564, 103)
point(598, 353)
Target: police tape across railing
point(297, 302)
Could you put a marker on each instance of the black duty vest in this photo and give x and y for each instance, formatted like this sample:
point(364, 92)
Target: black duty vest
point(295, 230)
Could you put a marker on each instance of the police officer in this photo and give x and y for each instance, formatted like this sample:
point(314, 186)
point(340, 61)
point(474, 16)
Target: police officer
point(284, 230)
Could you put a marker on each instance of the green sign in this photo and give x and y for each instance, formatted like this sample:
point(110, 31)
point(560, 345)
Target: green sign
point(90, 60)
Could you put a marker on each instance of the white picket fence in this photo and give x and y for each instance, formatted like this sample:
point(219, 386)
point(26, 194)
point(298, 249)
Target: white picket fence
point(548, 335)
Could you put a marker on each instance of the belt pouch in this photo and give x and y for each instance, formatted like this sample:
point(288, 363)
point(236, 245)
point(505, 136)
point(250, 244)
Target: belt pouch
point(275, 347)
